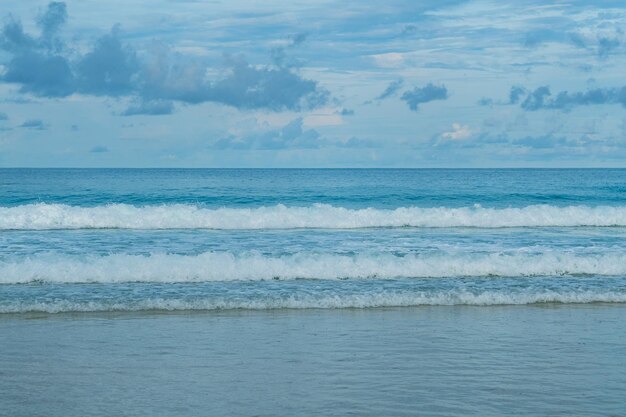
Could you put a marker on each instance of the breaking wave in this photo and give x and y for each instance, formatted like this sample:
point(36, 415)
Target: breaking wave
point(184, 216)
point(254, 266)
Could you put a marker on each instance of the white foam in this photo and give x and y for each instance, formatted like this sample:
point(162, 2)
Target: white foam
point(224, 266)
point(338, 301)
point(183, 216)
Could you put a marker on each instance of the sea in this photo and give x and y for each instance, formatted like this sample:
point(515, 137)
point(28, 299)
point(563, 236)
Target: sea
point(301, 292)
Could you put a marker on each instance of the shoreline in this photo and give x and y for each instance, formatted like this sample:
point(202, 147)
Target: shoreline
point(433, 360)
point(272, 311)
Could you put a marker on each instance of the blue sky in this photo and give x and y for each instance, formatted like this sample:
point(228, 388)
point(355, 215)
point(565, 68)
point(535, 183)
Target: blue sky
point(184, 83)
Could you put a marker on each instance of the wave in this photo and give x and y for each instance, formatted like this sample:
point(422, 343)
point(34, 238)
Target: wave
point(254, 266)
point(184, 216)
point(332, 301)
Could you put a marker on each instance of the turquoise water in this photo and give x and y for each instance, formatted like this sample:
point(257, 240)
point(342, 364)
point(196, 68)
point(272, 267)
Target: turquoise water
point(116, 240)
point(312, 292)
point(388, 188)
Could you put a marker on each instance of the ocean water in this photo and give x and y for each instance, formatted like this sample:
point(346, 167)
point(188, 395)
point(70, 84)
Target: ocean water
point(132, 240)
point(402, 262)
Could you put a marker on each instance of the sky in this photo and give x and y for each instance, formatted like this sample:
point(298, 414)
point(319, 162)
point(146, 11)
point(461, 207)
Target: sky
point(407, 83)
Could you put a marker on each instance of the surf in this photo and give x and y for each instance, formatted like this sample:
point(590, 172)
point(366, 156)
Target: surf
point(43, 216)
point(256, 266)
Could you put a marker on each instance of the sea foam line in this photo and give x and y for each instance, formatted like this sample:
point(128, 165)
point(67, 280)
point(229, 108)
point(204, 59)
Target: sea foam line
point(254, 266)
point(333, 301)
point(185, 216)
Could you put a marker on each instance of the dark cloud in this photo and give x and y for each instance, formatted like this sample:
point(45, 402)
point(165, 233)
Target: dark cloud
point(425, 94)
point(13, 38)
point(536, 99)
point(151, 108)
point(35, 124)
point(606, 46)
point(298, 38)
point(391, 89)
point(108, 69)
point(346, 112)
point(542, 98)
point(53, 18)
point(3, 116)
point(40, 74)
point(50, 22)
point(242, 85)
point(516, 93)
point(99, 149)
point(44, 67)
point(36, 63)
point(485, 101)
point(276, 89)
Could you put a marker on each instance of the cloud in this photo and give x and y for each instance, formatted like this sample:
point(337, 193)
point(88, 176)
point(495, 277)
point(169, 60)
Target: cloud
point(603, 44)
point(425, 94)
point(108, 69)
point(50, 22)
point(45, 67)
point(13, 37)
point(542, 98)
point(389, 60)
point(34, 124)
point(606, 46)
point(536, 99)
point(458, 132)
point(279, 54)
point(99, 149)
point(539, 36)
point(248, 87)
point(3, 116)
point(243, 86)
point(292, 135)
point(391, 89)
point(346, 112)
point(151, 108)
point(42, 75)
point(516, 93)
point(35, 62)
point(298, 38)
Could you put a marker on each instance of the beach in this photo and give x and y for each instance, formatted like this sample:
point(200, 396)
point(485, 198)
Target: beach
point(550, 359)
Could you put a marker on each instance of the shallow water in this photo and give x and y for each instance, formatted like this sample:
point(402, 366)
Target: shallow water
point(433, 361)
